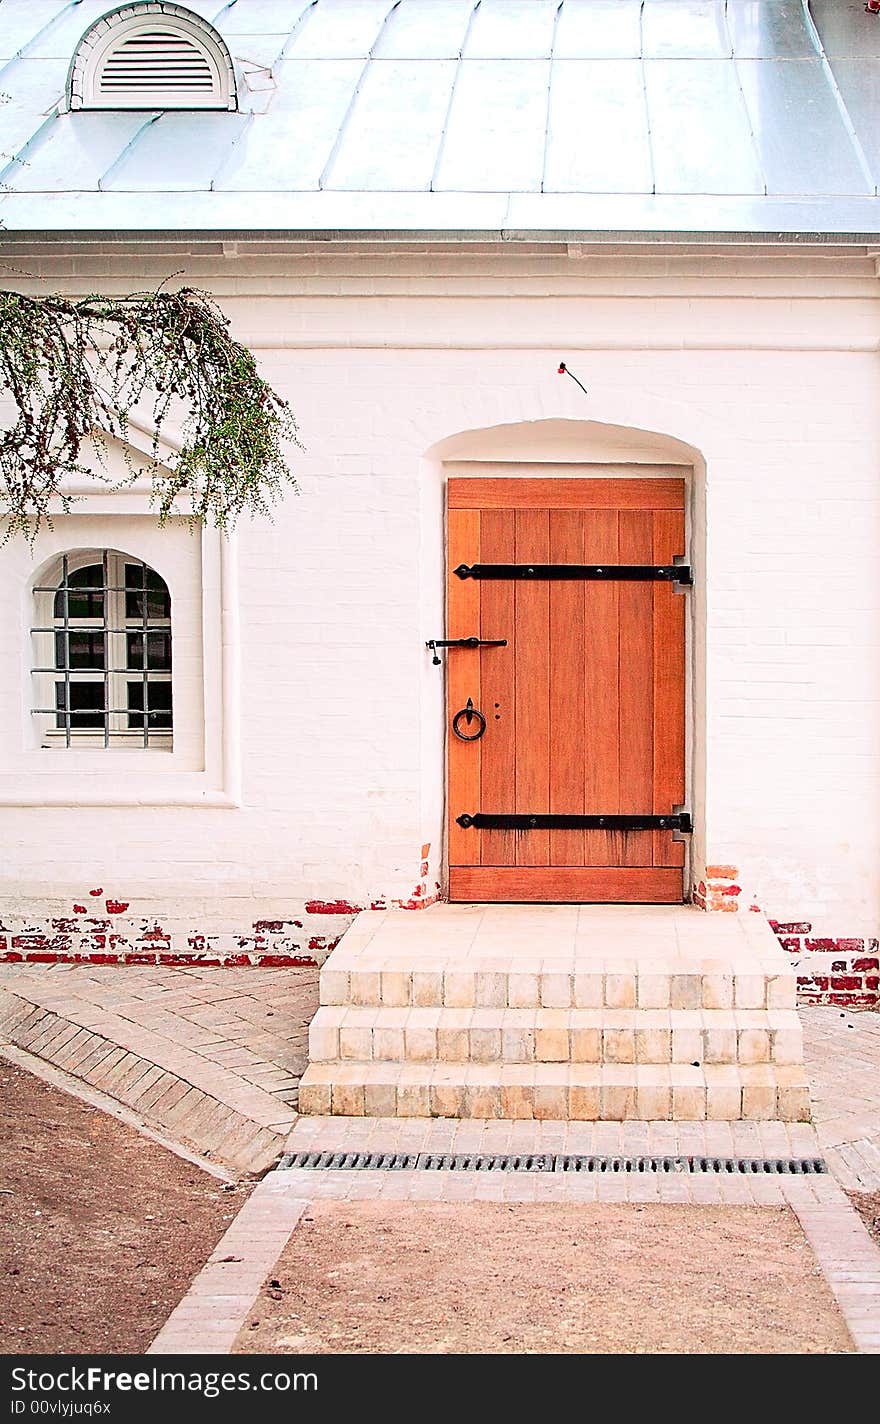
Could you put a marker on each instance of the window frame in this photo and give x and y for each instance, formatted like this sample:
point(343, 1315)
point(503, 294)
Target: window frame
point(204, 770)
point(115, 673)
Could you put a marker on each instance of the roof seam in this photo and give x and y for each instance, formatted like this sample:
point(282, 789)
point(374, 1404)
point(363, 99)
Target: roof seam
point(121, 156)
point(35, 141)
point(230, 154)
point(50, 24)
point(441, 146)
point(301, 20)
point(549, 95)
point(838, 97)
point(341, 132)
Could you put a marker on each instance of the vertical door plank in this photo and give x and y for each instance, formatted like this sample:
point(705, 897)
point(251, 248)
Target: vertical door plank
point(566, 687)
point(601, 730)
point(462, 682)
point(669, 686)
point(497, 685)
point(532, 614)
point(636, 601)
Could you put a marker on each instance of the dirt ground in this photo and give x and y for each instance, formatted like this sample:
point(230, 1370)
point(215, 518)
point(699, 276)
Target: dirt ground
point(101, 1230)
point(867, 1204)
point(491, 1278)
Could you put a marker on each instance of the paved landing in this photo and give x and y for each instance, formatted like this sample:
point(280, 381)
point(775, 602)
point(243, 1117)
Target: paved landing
point(544, 938)
point(211, 1057)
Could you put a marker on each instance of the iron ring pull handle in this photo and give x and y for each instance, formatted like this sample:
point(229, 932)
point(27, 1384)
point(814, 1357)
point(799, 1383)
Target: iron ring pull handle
point(468, 713)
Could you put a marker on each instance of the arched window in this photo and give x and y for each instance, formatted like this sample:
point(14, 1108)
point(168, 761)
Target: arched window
point(151, 56)
point(102, 652)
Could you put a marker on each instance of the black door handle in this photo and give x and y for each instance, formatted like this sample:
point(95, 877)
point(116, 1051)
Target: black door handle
point(435, 643)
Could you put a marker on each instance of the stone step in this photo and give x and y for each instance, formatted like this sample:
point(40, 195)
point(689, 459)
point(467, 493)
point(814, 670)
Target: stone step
point(583, 983)
point(613, 1092)
point(485, 1035)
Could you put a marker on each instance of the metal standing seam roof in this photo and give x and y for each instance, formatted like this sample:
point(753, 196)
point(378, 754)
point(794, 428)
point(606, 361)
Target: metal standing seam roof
point(518, 117)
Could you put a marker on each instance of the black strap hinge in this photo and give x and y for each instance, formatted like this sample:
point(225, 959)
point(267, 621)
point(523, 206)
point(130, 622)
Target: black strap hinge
point(483, 821)
point(603, 573)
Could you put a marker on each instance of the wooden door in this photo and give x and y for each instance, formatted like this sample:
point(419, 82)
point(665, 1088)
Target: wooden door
point(585, 705)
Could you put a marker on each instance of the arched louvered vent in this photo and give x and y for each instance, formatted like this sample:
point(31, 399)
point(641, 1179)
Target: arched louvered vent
point(152, 56)
point(156, 59)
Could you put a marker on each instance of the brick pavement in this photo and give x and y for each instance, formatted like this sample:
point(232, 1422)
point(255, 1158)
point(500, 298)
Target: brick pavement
point(211, 1057)
point(842, 1054)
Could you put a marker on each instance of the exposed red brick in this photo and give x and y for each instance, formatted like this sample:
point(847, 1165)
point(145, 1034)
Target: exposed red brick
point(791, 927)
point(331, 907)
point(820, 944)
point(730, 890)
point(721, 872)
point(79, 909)
point(846, 981)
point(268, 926)
point(96, 893)
point(116, 907)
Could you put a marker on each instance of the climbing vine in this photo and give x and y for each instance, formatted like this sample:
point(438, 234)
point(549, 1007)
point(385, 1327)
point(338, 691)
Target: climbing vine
point(79, 371)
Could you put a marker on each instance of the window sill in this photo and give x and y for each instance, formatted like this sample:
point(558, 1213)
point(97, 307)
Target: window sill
point(181, 789)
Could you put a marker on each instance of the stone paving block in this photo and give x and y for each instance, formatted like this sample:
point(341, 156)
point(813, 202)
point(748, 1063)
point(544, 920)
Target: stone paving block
point(620, 991)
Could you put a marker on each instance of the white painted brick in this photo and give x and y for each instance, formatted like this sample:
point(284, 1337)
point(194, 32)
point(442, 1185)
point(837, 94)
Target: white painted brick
point(338, 594)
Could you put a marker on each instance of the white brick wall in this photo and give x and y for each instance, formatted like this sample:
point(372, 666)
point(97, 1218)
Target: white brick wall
point(765, 366)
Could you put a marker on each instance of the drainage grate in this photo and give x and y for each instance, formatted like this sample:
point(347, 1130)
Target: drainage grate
point(495, 1162)
point(548, 1162)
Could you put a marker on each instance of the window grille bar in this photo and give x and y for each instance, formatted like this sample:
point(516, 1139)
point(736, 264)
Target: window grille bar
point(65, 604)
point(144, 634)
point(119, 711)
point(105, 565)
point(84, 674)
point(79, 625)
point(84, 588)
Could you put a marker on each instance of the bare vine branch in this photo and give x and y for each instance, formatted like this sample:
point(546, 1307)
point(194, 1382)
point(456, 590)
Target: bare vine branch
point(76, 371)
